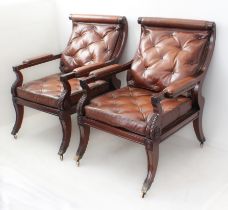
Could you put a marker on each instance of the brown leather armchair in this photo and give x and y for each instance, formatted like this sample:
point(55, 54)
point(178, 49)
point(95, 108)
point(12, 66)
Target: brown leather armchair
point(95, 42)
point(163, 92)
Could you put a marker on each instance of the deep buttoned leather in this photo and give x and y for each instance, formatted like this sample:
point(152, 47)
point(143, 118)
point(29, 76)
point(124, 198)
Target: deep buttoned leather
point(130, 108)
point(89, 43)
point(96, 41)
point(166, 55)
point(47, 90)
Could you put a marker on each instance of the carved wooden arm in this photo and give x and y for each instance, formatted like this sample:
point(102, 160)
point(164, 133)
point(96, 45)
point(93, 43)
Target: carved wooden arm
point(103, 73)
point(172, 91)
point(64, 99)
point(37, 60)
point(182, 86)
point(85, 70)
point(29, 63)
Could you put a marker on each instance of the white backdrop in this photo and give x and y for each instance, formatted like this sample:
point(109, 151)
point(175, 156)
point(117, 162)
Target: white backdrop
point(33, 27)
point(28, 28)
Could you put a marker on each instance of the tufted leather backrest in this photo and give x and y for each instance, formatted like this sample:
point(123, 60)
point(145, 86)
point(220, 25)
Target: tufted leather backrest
point(169, 50)
point(94, 39)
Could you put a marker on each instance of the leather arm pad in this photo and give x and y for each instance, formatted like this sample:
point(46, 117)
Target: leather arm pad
point(38, 59)
point(181, 86)
point(85, 70)
point(106, 71)
point(110, 70)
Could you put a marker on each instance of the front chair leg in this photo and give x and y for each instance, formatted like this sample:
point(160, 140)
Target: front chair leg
point(19, 109)
point(152, 151)
point(65, 120)
point(84, 138)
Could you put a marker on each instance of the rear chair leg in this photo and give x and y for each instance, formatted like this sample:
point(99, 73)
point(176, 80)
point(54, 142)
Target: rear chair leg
point(84, 138)
point(197, 125)
point(199, 101)
point(65, 120)
point(152, 151)
point(19, 109)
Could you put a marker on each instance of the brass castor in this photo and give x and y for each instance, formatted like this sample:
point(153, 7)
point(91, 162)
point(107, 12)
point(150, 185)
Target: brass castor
point(201, 144)
point(78, 163)
point(61, 157)
point(77, 159)
point(143, 194)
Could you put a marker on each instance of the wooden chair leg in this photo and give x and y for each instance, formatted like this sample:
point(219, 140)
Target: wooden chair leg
point(152, 151)
point(84, 138)
point(65, 120)
point(19, 109)
point(197, 125)
point(199, 101)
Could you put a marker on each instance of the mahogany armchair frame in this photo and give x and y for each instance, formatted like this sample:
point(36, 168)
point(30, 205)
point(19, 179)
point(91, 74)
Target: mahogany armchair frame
point(154, 133)
point(65, 109)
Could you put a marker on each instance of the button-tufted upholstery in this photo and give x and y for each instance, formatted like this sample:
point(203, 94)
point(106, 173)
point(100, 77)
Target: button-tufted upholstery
point(89, 43)
point(95, 39)
point(163, 92)
point(47, 90)
point(130, 108)
point(166, 55)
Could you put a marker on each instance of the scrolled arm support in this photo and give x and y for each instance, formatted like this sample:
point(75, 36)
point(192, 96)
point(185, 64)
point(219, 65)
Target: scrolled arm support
point(182, 86)
point(174, 90)
point(153, 129)
point(18, 82)
point(65, 99)
point(102, 73)
point(85, 97)
point(26, 64)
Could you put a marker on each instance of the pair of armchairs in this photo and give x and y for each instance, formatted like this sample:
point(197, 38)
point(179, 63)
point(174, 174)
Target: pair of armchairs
point(164, 82)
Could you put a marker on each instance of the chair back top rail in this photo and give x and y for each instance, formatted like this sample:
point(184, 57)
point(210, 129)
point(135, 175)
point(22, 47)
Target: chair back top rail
point(176, 23)
point(108, 19)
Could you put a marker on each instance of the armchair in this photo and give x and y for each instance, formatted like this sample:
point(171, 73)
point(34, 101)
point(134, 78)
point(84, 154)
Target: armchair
point(95, 42)
point(163, 92)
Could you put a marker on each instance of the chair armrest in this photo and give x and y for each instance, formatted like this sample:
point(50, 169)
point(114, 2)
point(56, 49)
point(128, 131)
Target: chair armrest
point(36, 60)
point(106, 71)
point(181, 86)
point(29, 63)
point(109, 70)
point(79, 72)
point(82, 71)
point(85, 70)
point(171, 91)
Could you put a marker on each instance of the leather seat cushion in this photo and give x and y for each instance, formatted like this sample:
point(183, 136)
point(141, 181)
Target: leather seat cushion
point(48, 90)
point(130, 109)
